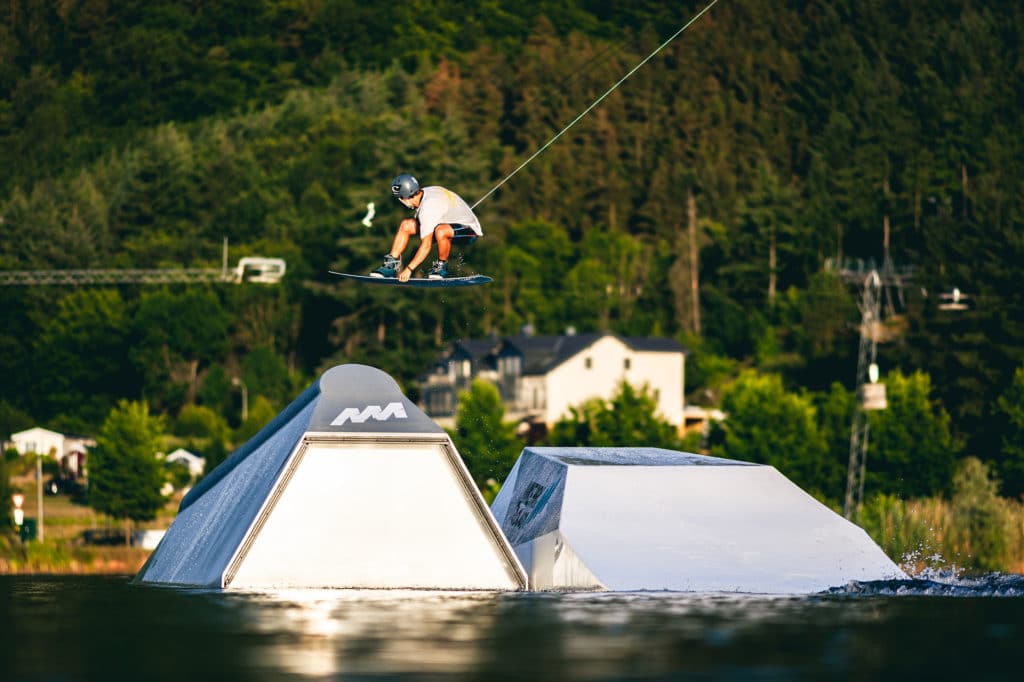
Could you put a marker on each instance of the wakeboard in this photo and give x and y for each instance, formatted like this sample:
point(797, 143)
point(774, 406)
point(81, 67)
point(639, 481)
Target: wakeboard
point(419, 282)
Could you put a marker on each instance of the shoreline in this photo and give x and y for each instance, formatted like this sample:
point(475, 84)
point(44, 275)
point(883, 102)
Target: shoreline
point(35, 559)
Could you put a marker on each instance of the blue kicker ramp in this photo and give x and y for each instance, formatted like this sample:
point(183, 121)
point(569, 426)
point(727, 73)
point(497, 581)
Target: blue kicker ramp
point(349, 486)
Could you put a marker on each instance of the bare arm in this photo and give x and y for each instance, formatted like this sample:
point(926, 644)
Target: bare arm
point(417, 258)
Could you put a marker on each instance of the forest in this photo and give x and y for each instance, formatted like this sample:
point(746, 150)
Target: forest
point(714, 197)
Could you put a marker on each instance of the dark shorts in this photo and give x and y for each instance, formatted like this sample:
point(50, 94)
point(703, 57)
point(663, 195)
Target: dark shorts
point(464, 234)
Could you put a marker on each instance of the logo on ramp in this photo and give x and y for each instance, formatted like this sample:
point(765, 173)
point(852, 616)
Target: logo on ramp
point(357, 416)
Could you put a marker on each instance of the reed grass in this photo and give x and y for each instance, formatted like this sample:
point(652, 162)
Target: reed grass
point(973, 531)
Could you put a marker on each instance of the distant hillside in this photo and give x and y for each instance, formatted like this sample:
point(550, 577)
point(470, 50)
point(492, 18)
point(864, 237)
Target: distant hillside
point(767, 139)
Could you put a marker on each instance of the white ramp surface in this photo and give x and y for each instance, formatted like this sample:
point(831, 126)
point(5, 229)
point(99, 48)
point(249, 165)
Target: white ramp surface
point(390, 506)
point(651, 519)
point(351, 486)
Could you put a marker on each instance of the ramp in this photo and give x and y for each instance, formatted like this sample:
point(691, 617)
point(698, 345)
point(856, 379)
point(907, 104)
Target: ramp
point(652, 519)
point(351, 486)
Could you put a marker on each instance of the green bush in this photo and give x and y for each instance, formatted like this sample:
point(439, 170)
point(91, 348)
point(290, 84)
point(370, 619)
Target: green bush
point(486, 442)
point(6, 505)
point(261, 412)
point(976, 530)
point(196, 421)
point(981, 517)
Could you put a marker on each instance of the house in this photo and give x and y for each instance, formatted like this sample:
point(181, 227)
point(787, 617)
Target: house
point(540, 377)
point(38, 441)
point(698, 419)
point(76, 447)
point(195, 463)
point(68, 449)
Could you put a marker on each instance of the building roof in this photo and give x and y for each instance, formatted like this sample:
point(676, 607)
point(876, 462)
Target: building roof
point(182, 453)
point(36, 431)
point(477, 348)
point(541, 354)
point(653, 344)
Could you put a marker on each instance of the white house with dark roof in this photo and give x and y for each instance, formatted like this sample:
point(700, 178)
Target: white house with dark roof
point(541, 377)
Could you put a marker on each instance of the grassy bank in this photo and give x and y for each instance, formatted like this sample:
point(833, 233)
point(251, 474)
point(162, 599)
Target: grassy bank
point(63, 557)
point(974, 530)
point(64, 551)
point(928, 533)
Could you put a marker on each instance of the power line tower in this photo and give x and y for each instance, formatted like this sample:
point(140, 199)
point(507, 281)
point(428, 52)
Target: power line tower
point(867, 374)
point(876, 284)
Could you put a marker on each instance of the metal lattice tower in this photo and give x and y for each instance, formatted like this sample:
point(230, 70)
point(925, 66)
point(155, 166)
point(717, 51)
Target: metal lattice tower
point(870, 318)
point(876, 284)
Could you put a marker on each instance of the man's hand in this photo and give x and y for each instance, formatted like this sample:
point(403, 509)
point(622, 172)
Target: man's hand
point(405, 274)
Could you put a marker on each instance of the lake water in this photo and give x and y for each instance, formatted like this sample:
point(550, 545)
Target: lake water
point(97, 628)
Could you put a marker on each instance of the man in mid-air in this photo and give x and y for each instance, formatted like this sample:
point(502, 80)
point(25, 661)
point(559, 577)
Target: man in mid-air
point(440, 214)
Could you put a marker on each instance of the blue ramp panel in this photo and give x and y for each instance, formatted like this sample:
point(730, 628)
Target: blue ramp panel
point(206, 534)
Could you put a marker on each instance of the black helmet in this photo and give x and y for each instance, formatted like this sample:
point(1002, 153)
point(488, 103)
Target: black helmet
point(404, 186)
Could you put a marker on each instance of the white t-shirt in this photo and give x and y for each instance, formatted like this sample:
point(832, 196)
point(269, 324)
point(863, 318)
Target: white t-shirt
point(440, 206)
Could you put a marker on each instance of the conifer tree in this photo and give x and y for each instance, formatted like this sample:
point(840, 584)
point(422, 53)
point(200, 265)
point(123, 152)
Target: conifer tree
point(125, 476)
point(486, 442)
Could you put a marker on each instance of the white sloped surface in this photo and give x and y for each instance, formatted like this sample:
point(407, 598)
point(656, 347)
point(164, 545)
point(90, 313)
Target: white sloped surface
point(649, 519)
point(375, 516)
point(745, 529)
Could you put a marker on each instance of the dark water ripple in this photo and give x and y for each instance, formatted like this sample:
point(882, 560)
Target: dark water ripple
point(932, 627)
point(990, 585)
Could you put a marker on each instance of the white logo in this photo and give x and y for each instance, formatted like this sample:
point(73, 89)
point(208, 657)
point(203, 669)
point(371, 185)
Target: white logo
point(389, 411)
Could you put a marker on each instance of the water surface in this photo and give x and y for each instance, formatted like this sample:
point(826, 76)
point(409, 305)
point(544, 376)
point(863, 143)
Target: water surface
point(92, 628)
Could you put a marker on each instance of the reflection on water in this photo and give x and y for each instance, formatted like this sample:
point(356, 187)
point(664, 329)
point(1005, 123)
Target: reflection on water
point(323, 632)
point(104, 629)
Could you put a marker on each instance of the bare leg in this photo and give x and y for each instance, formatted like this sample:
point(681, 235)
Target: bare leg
point(443, 234)
point(406, 229)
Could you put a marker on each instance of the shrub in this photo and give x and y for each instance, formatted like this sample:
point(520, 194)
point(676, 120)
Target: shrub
point(981, 517)
point(196, 421)
point(911, 533)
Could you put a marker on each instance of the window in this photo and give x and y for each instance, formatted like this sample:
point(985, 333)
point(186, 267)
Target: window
point(626, 363)
point(589, 363)
point(510, 365)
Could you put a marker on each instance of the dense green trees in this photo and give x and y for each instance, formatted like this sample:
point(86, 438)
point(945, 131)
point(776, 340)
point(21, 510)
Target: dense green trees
point(911, 451)
point(700, 200)
point(1011, 464)
point(768, 424)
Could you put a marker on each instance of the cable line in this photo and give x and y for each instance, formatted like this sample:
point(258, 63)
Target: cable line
point(595, 103)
